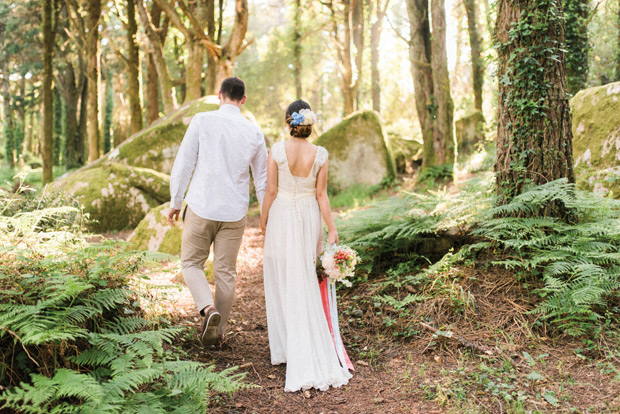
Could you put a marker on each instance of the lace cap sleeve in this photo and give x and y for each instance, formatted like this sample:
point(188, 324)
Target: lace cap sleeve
point(321, 156)
point(277, 152)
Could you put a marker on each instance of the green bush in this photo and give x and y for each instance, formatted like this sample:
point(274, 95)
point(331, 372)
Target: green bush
point(73, 337)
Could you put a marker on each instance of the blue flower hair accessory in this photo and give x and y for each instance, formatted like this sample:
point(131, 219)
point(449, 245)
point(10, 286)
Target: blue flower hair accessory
point(303, 117)
point(298, 119)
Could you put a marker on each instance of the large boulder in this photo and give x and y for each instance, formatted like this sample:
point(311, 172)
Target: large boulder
point(156, 146)
point(115, 195)
point(596, 137)
point(154, 233)
point(359, 151)
point(407, 154)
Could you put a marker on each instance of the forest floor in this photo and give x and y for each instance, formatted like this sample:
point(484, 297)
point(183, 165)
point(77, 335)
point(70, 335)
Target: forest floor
point(420, 374)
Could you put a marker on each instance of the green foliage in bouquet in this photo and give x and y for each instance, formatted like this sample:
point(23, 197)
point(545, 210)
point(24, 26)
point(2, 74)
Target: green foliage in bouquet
point(73, 337)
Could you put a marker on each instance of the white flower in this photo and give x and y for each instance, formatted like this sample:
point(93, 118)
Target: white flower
point(309, 116)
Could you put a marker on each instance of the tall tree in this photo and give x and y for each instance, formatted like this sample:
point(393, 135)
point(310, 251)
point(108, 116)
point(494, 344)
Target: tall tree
point(576, 14)
point(347, 21)
point(431, 81)
point(475, 41)
point(132, 63)
point(70, 80)
point(152, 78)
point(534, 138)
point(197, 39)
point(93, 9)
point(297, 49)
point(380, 10)
point(7, 116)
point(156, 51)
point(47, 131)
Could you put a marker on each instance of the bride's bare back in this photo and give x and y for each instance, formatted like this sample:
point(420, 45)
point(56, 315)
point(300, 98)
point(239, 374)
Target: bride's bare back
point(300, 155)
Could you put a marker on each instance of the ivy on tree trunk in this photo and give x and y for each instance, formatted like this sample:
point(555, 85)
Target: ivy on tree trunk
point(534, 138)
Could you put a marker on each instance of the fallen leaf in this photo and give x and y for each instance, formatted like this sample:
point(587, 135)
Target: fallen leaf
point(271, 376)
point(362, 363)
point(307, 394)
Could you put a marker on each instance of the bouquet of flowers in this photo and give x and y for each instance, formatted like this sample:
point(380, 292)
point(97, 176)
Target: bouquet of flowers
point(337, 263)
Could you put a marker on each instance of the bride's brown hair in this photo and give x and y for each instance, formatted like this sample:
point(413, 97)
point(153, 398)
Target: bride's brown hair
point(298, 131)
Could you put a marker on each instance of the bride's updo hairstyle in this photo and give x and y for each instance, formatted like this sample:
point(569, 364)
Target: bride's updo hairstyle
point(300, 118)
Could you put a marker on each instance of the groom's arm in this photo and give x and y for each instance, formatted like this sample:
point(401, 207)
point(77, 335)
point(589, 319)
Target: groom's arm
point(184, 165)
point(259, 168)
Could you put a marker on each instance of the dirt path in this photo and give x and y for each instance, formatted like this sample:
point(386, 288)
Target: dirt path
point(380, 384)
point(419, 375)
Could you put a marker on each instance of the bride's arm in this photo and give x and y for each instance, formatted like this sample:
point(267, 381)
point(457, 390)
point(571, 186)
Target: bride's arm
point(323, 199)
point(270, 193)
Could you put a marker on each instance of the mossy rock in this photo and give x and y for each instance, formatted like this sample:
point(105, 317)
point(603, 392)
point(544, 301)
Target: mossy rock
point(605, 182)
point(156, 146)
point(359, 151)
point(406, 151)
point(154, 233)
point(468, 131)
point(596, 127)
point(115, 195)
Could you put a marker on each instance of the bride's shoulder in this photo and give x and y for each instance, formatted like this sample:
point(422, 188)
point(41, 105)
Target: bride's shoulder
point(278, 152)
point(321, 155)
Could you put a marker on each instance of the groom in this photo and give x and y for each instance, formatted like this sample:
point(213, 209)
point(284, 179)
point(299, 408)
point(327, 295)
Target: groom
point(215, 154)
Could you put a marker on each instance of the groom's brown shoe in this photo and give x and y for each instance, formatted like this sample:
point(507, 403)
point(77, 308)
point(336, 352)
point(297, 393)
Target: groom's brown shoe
point(208, 332)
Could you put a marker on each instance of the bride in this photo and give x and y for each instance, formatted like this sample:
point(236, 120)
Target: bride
point(294, 203)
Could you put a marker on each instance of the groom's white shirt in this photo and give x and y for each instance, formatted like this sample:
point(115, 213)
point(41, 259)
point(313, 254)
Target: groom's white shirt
point(215, 153)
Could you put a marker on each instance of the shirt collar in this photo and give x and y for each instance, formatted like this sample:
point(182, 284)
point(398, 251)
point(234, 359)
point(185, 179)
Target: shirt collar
point(230, 108)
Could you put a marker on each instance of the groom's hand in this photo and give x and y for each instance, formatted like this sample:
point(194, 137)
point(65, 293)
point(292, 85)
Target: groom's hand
point(173, 215)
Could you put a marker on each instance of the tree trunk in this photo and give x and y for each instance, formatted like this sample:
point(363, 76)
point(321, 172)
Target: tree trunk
point(348, 86)
point(157, 52)
point(618, 46)
point(82, 134)
point(477, 67)
point(234, 46)
point(576, 14)
point(58, 127)
point(92, 73)
point(47, 129)
point(358, 40)
point(193, 74)
point(375, 40)
point(152, 79)
point(534, 138)
point(420, 57)
point(211, 64)
point(297, 66)
point(133, 69)
point(70, 97)
point(443, 141)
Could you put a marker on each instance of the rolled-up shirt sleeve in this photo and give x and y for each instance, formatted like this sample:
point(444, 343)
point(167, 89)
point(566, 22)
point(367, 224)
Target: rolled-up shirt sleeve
point(259, 168)
point(184, 164)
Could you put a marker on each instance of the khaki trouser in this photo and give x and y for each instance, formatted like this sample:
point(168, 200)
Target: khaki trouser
point(198, 235)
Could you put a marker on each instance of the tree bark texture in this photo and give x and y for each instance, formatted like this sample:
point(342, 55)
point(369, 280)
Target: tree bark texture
point(133, 69)
point(92, 73)
point(234, 45)
point(156, 50)
point(375, 39)
point(534, 138)
point(576, 13)
point(83, 121)
point(211, 63)
point(152, 79)
point(297, 49)
point(420, 57)
point(443, 133)
point(477, 65)
point(47, 129)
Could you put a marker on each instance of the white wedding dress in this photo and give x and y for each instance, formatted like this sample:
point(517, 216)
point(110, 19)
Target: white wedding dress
point(298, 331)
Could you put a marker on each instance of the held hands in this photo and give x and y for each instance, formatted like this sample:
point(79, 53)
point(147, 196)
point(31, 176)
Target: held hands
point(173, 215)
point(332, 237)
point(263, 224)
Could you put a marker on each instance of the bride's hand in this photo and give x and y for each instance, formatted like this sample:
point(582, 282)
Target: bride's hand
point(332, 237)
point(263, 225)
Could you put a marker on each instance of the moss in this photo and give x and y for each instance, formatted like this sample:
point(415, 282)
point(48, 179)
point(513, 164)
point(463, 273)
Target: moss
point(605, 182)
point(359, 139)
point(596, 126)
point(156, 234)
point(116, 196)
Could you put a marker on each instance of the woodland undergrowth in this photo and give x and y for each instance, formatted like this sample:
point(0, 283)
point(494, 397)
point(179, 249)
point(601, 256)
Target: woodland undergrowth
point(74, 337)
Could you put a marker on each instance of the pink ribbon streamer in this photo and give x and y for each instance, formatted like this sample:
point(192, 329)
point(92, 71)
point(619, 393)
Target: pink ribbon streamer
point(330, 307)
